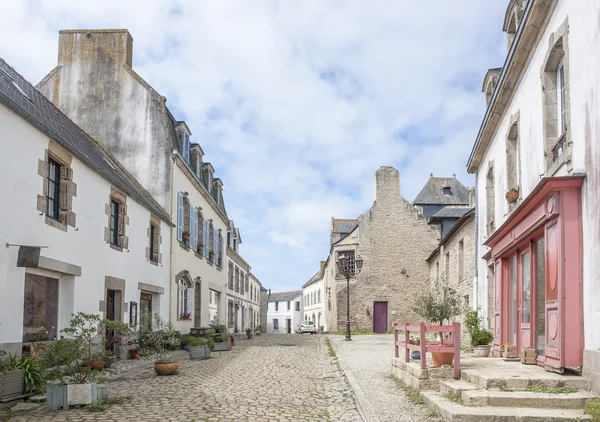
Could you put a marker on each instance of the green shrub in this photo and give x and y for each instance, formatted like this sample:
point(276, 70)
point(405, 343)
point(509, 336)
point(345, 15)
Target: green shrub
point(190, 341)
point(479, 336)
point(33, 374)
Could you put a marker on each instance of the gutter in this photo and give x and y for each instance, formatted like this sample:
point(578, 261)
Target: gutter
point(476, 276)
point(501, 79)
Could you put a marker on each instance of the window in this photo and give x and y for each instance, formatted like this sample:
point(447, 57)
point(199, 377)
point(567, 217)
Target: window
point(230, 313)
point(288, 305)
point(297, 305)
point(40, 308)
point(275, 324)
point(276, 306)
point(153, 239)
point(350, 256)
point(199, 231)
point(231, 275)
point(448, 267)
point(237, 279)
point(319, 297)
point(185, 299)
point(114, 223)
point(461, 260)
point(447, 191)
point(437, 271)
point(186, 147)
point(560, 101)
point(247, 282)
point(513, 159)
point(53, 196)
point(242, 290)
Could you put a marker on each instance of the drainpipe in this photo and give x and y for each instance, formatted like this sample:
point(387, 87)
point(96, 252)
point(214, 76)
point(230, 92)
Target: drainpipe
point(476, 248)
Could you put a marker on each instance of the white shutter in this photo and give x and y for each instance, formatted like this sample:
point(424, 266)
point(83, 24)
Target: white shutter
point(188, 302)
point(179, 216)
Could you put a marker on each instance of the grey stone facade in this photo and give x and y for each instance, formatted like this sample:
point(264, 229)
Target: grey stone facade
point(264, 300)
point(394, 240)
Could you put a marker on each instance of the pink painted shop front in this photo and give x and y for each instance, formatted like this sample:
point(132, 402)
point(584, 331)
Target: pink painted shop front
point(537, 257)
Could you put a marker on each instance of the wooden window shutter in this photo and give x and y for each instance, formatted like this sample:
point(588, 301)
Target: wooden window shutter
point(179, 216)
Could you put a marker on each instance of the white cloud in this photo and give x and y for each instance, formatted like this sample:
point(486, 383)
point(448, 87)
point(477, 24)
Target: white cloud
point(297, 103)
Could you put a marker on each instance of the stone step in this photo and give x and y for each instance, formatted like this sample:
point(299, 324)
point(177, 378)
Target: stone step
point(455, 387)
point(521, 383)
point(526, 399)
point(450, 411)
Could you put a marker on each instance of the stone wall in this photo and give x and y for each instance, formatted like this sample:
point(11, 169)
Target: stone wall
point(395, 241)
point(462, 281)
point(264, 297)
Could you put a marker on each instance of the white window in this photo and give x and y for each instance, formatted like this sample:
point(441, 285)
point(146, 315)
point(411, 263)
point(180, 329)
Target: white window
point(185, 299)
point(560, 101)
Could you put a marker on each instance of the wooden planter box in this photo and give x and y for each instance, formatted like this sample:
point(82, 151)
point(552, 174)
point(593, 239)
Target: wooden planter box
point(512, 196)
point(199, 352)
point(222, 347)
point(529, 357)
point(61, 396)
point(11, 384)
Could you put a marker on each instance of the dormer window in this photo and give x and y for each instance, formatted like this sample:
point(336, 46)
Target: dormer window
point(447, 191)
point(490, 81)
point(512, 19)
point(186, 147)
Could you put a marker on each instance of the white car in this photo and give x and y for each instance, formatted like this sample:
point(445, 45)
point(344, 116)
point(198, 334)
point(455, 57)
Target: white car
point(308, 327)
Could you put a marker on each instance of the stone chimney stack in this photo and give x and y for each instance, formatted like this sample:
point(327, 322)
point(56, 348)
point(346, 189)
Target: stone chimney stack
point(472, 197)
point(98, 46)
point(387, 185)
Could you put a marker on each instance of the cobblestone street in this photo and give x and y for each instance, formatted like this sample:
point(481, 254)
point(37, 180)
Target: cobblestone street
point(269, 378)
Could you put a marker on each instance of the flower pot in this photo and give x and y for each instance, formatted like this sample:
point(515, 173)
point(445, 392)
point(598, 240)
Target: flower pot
point(442, 358)
point(11, 384)
point(249, 336)
point(415, 354)
point(512, 196)
point(165, 368)
point(186, 348)
point(134, 353)
point(481, 351)
point(61, 396)
point(108, 362)
point(97, 366)
point(199, 352)
point(222, 346)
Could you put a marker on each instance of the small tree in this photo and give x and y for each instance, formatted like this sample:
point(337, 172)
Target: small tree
point(437, 304)
point(162, 338)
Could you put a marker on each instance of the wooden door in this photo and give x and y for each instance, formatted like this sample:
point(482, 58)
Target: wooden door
point(554, 323)
point(380, 317)
point(145, 312)
point(110, 315)
point(525, 307)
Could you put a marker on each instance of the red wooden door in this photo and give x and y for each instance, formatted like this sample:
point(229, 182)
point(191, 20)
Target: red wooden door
point(525, 300)
point(554, 322)
point(380, 317)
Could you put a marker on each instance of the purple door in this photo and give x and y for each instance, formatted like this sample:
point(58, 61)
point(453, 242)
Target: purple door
point(380, 317)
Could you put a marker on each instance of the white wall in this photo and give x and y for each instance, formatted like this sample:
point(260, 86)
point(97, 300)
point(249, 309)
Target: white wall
point(584, 66)
point(283, 314)
point(23, 146)
point(317, 307)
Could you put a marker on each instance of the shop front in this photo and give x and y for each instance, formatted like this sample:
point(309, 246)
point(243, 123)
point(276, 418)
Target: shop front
point(537, 256)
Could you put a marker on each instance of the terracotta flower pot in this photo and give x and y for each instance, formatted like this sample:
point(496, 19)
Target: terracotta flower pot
point(165, 368)
point(134, 353)
point(249, 336)
point(98, 366)
point(440, 358)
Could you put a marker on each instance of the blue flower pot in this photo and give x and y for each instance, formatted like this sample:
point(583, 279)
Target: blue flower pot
point(186, 348)
point(415, 355)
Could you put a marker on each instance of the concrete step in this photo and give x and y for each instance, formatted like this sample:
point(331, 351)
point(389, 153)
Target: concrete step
point(526, 399)
point(520, 383)
point(455, 387)
point(454, 412)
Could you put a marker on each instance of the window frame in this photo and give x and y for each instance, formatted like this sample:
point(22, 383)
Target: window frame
point(114, 221)
point(152, 240)
point(276, 306)
point(56, 191)
point(561, 108)
point(275, 324)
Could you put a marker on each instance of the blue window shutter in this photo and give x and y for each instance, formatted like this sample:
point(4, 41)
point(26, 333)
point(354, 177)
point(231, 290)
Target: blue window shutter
point(179, 216)
point(216, 247)
point(192, 226)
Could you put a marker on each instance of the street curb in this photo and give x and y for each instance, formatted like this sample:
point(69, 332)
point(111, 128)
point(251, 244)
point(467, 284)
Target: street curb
point(362, 402)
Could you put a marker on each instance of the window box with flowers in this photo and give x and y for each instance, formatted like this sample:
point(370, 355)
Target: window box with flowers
point(512, 195)
point(185, 315)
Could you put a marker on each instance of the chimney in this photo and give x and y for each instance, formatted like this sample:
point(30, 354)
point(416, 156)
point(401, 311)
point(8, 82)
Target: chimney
point(106, 46)
point(387, 185)
point(472, 197)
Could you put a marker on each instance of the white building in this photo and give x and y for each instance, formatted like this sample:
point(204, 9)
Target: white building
point(313, 299)
point(95, 85)
point(537, 163)
point(284, 312)
point(78, 233)
point(243, 288)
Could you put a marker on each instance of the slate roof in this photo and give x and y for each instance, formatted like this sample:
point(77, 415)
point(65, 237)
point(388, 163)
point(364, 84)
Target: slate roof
point(284, 296)
point(316, 277)
point(461, 222)
point(20, 96)
point(451, 211)
point(343, 225)
point(432, 193)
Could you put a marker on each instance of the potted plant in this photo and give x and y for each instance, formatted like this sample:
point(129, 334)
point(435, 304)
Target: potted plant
point(160, 340)
point(415, 354)
point(112, 333)
point(222, 343)
point(436, 304)
point(249, 333)
point(185, 315)
point(12, 379)
point(202, 349)
point(185, 237)
point(257, 330)
point(200, 246)
point(480, 338)
point(211, 255)
point(512, 195)
point(97, 362)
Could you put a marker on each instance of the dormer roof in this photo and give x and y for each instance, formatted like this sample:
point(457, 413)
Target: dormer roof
point(433, 192)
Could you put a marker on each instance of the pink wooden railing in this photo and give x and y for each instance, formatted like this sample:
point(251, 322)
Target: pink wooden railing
point(451, 335)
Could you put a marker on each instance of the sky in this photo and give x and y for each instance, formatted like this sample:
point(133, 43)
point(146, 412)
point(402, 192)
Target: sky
point(297, 103)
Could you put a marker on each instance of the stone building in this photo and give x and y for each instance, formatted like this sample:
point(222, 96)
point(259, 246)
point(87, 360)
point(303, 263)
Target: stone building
point(536, 159)
point(394, 241)
point(78, 231)
point(264, 301)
